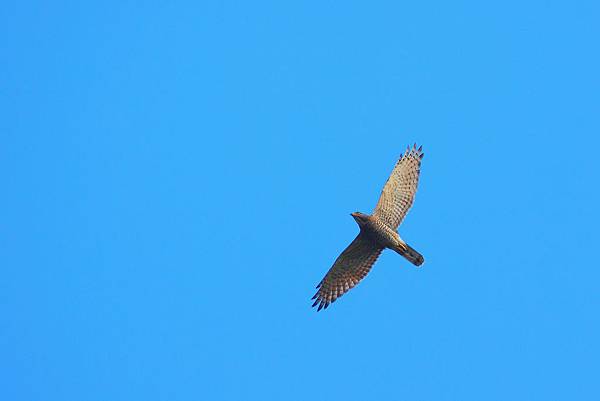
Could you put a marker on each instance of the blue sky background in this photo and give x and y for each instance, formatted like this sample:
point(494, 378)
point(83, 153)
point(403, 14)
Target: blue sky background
point(178, 176)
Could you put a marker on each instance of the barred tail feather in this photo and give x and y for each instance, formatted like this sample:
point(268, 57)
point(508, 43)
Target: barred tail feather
point(413, 256)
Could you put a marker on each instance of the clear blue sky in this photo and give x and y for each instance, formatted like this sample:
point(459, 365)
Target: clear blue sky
point(178, 176)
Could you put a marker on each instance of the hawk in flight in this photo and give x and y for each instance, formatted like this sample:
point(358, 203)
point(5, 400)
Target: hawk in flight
point(377, 232)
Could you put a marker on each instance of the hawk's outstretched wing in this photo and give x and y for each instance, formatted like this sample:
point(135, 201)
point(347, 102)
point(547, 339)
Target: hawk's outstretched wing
point(349, 268)
point(399, 191)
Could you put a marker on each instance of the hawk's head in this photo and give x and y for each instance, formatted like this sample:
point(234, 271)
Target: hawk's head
point(360, 218)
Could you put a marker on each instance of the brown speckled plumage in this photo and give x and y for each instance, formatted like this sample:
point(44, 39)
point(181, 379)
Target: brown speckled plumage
point(377, 232)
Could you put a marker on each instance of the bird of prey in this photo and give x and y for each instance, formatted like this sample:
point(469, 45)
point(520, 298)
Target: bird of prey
point(377, 232)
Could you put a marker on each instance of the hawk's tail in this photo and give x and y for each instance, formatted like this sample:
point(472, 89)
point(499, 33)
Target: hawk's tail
point(413, 256)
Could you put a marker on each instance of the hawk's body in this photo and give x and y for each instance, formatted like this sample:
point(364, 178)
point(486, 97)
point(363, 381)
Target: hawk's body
point(377, 232)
